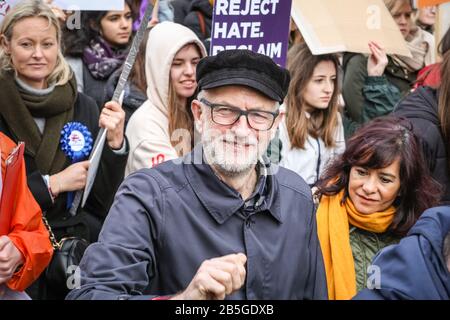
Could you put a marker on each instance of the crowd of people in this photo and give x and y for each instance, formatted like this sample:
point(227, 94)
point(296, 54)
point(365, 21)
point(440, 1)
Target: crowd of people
point(227, 176)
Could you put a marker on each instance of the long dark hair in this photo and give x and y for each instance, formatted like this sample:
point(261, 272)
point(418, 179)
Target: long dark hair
point(76, 40)
point(377, 145)
point(444, 102)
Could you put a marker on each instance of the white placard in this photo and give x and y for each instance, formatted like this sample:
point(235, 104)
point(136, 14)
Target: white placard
point(82, 5)
point(95, 5)
point(93, 166)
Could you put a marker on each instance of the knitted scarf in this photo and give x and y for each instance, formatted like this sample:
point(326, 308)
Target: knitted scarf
point(101, 59)
point(420, 45)
point(18, 110)
point(333, 219)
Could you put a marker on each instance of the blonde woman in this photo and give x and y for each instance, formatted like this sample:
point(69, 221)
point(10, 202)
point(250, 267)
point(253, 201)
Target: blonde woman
point(41, 106)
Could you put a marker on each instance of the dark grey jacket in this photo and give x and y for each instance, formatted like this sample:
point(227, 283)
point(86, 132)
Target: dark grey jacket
point(421, 108)
point(167, 220)
point(416, 268)
point(192, 20)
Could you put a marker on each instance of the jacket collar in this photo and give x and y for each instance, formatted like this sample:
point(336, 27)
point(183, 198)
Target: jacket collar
point(222, 201)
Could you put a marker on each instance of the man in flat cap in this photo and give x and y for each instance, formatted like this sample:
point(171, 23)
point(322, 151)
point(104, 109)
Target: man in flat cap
point(221, 222)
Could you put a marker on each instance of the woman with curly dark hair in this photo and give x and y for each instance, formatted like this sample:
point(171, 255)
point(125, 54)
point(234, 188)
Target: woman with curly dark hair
point(370, 197)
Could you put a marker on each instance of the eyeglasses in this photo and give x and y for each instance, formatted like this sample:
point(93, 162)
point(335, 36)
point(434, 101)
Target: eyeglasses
point(227, 116)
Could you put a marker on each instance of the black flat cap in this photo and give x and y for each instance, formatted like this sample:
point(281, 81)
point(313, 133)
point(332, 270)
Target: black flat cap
point(244, 67)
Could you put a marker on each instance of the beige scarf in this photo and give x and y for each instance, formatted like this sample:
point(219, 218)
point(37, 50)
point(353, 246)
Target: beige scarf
point(421, 44)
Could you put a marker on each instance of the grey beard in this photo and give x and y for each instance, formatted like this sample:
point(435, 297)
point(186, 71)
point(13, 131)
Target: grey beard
point(224, 169)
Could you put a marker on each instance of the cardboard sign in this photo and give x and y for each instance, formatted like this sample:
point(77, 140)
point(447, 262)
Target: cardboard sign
point(258, 25)
point(94, 5)
point(330, 26)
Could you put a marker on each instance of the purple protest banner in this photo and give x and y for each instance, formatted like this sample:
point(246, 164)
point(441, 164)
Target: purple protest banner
point(258, 25)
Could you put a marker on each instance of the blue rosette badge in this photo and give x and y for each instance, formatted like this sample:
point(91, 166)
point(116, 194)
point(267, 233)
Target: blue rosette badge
point(76, 143)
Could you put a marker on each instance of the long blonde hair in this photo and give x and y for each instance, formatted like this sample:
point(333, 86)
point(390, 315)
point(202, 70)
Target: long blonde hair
point(322, 123)
point(30, 9)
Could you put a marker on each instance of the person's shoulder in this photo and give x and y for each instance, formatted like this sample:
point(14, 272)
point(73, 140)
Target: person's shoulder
point(422, 93)
point(146, 117)
point(168, 174)
point(149, 178)
point(175, 166)
point(86, 111)
point(85, 103)
point(351, 59)
point(147, 123)
point(289, 180)
point(421, 103)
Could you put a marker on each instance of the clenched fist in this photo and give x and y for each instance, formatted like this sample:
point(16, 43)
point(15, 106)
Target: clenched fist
point(216, 278)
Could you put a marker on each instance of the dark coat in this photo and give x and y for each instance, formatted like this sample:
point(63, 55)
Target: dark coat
point(192, 20)
point(415, 268)
point(180, 10)
point(421, 108)
point(180, 214)
point(94, 88)
point(87, 223)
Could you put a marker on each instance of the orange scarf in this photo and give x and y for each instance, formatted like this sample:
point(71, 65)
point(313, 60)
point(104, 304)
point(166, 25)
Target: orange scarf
point(333, 219)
